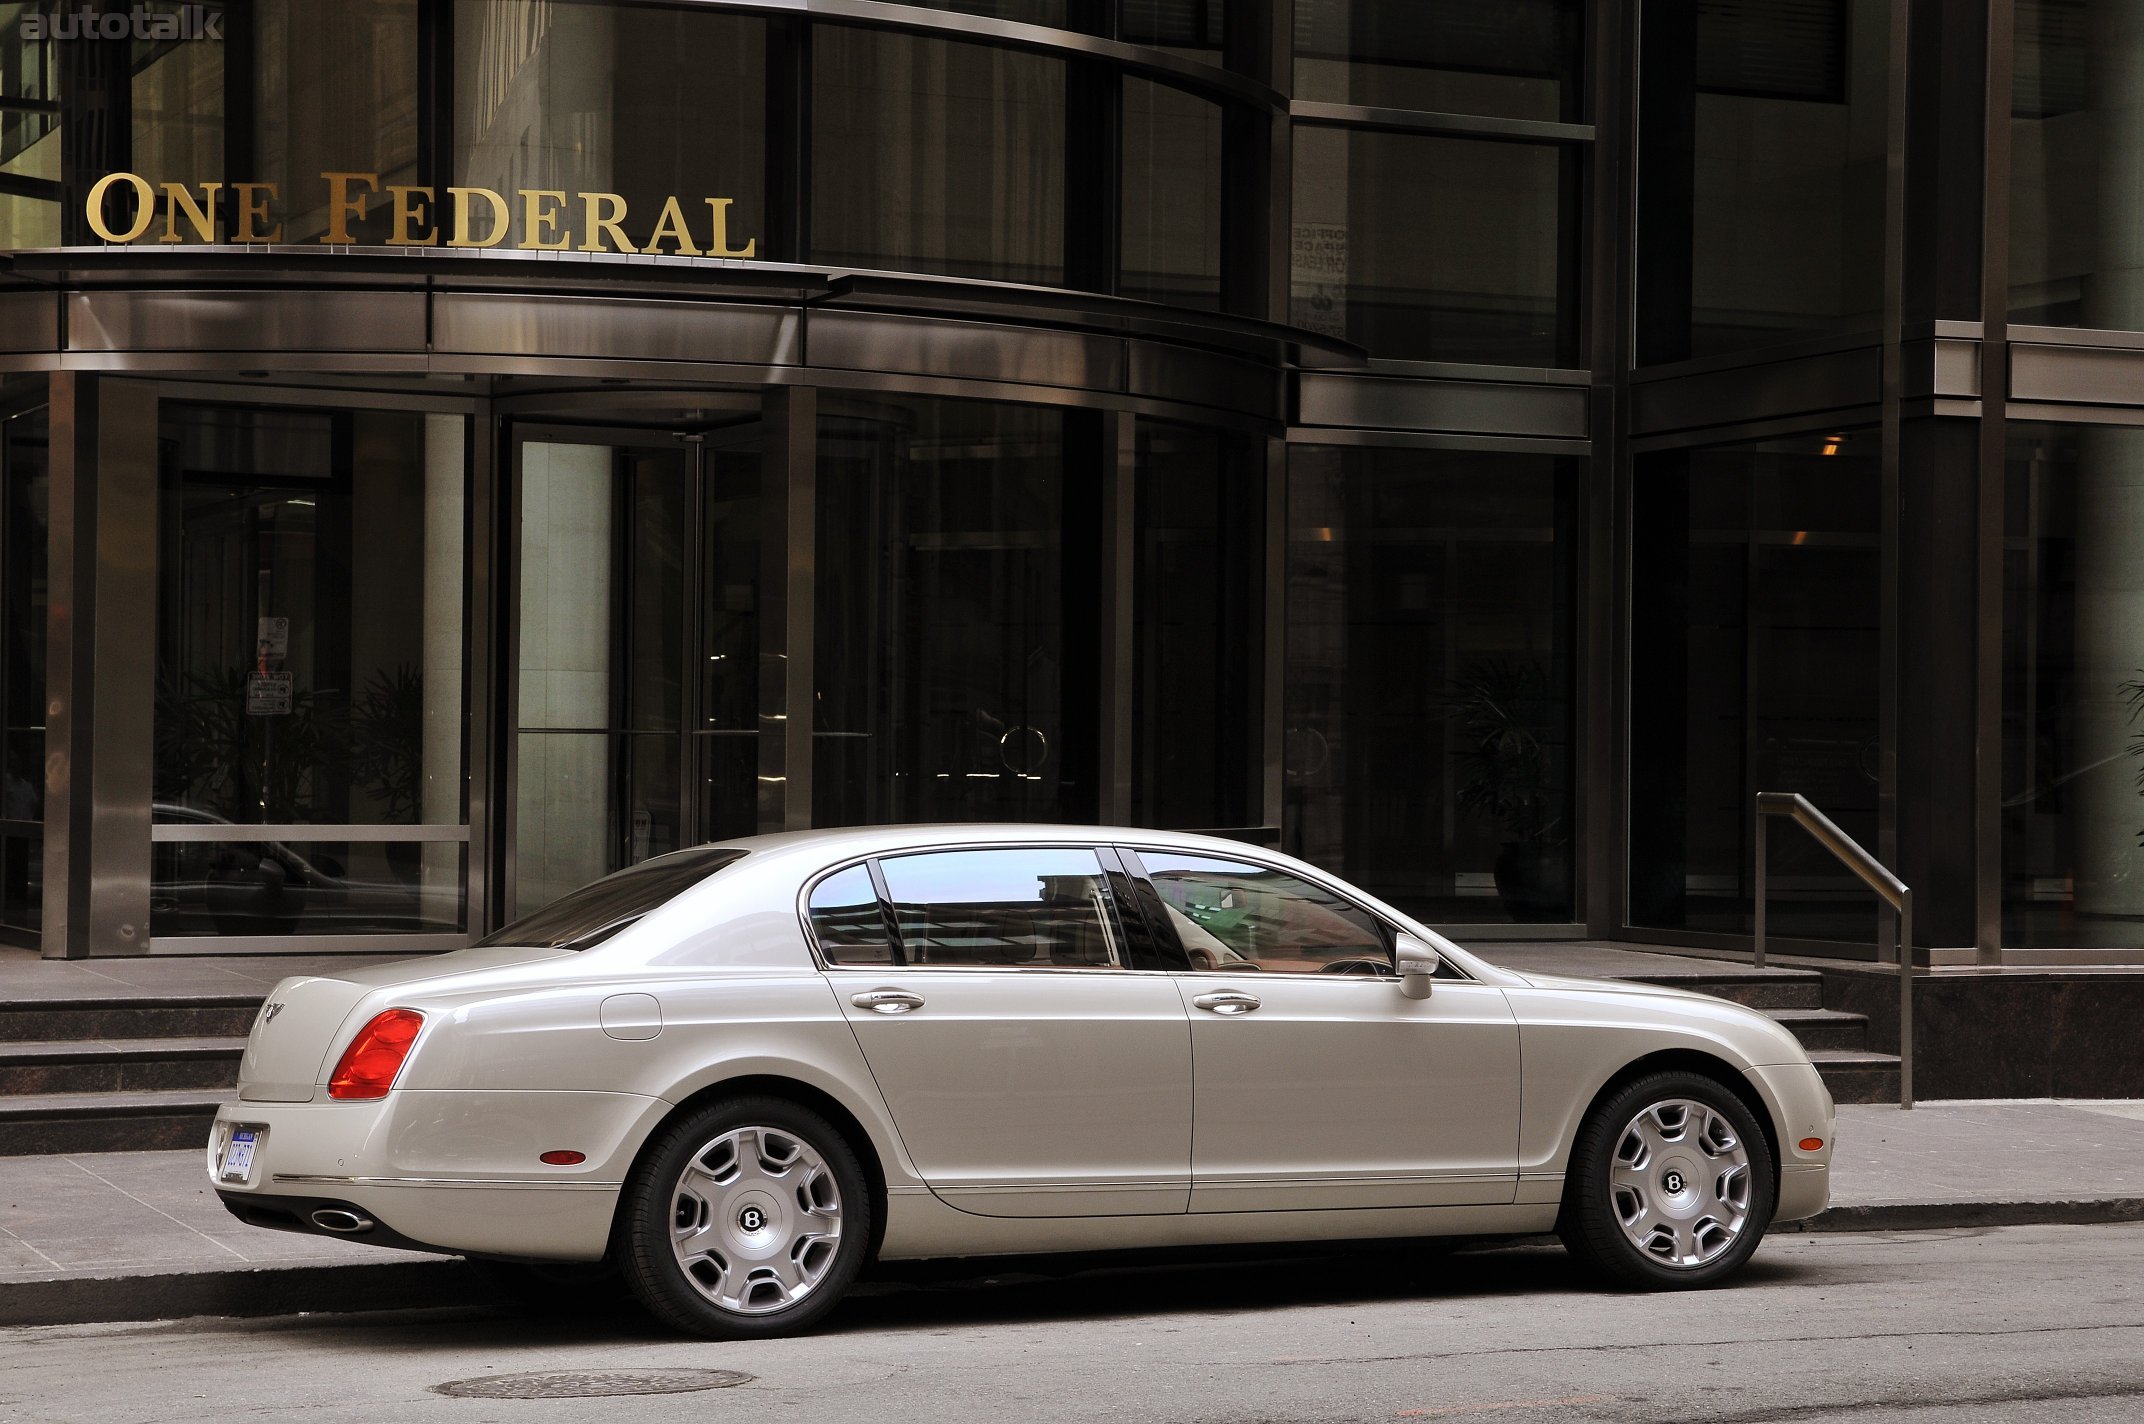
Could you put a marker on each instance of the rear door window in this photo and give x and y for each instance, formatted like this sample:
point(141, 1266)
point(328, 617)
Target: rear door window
point(1041, 908)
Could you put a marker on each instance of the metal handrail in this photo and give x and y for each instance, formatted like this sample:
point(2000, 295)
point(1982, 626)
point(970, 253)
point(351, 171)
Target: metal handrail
point(1872, 873)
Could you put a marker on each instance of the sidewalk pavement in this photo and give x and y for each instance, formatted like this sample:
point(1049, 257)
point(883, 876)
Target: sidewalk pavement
point(140, 1236)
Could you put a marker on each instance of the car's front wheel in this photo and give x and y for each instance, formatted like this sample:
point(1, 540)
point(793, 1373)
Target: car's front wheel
point(1670, 1184)
point(748, 1219)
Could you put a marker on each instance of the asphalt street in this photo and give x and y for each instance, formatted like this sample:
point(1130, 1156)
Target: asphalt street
point(2020, 1323)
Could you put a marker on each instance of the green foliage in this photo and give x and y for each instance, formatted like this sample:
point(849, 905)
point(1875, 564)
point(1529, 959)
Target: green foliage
point(1507, 714)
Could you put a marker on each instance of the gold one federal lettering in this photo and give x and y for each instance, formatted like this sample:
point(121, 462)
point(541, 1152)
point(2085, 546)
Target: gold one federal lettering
point(416, 217)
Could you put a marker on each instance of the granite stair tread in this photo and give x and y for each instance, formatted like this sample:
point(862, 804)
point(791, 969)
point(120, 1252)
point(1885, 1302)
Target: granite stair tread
point(124, 1104)
point(110, 1049)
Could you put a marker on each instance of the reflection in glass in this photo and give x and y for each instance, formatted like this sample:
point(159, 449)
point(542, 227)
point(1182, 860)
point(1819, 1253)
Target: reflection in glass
point(645, 101)
point(638, 657)
point(1171, 246)
point(1227, 913)
point(1045, 908)
point(323, 887)
point(1428, 738)
point(2076, 227)
point(329, 88)
point(1762, 135)
point(933, 156)
point(848, 921)
point(310, 616)
point(2073, 687)
point(1753, 668)
point(1437, 249)
point(1197, 642)
point(29, 136)
point(1195, 29)
point(954, 640)
point(1516, 59)
point(25, 516)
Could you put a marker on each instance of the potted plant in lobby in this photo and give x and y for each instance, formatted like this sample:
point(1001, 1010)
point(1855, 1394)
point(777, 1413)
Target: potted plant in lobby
point(387, 754)
point(1505, 714)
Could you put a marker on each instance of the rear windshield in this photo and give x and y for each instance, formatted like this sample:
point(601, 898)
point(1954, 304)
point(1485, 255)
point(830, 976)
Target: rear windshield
point(595, 912)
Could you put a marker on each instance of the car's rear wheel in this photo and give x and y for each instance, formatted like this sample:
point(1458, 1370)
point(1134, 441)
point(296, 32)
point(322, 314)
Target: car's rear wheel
point(1670, 1185)
point(748, 1219)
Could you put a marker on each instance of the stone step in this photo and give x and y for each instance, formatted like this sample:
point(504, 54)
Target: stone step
point(95, 1020)
point(1857, 1076)
point(43, 1123)
point(1824, 1028)
point(1759, 989)
point(118, 1065)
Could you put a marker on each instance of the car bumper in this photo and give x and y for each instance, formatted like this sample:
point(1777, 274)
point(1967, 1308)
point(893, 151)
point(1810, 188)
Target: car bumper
point(1801, 1109)
point(443, 1171)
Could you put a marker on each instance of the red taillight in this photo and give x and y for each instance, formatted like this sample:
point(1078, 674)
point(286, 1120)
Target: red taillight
point(374, 1057)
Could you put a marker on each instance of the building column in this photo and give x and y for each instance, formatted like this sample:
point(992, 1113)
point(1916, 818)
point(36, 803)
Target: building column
point(100, 667)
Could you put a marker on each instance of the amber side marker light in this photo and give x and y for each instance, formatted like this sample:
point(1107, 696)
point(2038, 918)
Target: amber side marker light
point(369, 1065)
point(1812, 1144)
point(563, 1158)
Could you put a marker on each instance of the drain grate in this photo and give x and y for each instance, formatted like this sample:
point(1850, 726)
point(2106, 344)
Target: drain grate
point(589, 1384)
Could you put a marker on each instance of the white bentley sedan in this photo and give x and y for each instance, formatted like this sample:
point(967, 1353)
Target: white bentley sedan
point(738, 1073)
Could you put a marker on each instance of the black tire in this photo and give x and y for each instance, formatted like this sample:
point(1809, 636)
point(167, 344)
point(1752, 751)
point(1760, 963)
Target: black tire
point(650, 1207)
point(1594, 1206)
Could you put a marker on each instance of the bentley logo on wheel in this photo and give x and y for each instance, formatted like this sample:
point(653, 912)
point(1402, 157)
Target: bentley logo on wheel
point(1672, 1182)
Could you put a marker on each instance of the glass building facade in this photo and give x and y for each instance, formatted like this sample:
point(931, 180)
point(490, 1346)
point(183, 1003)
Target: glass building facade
point(452, 449)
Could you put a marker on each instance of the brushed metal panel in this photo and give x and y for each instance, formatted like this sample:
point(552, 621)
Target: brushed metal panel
point(613, 328)
point(245, 321)
point(29, 321)
point(1174, 373)
point(1490, 407)
point(2084, 374)
point(1957, 368)
point(980, 351)
point(1804, 385)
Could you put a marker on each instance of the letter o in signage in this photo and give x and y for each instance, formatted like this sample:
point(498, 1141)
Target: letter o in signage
point(144, 207)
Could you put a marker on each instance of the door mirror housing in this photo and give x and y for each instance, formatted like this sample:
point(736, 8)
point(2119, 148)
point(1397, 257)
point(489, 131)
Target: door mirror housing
point(1417, 964)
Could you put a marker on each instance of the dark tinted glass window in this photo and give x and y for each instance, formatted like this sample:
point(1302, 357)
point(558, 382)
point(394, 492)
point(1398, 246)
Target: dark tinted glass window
point(2074, 221)
point(1429, 710)
point(1035, 908)
point(595, 912)
point(2073, 687)
point(846, 917)
point(648, 102)
point(955, 643)
point(1519, 59)
point(1197, 639)
point(25, 516)
point(933, 156)
point(1171, 214)
point(1755, 599)
point(1437, 249)
point(1230, 915)
point(1762, 126)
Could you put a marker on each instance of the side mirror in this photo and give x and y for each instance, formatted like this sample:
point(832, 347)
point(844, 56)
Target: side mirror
point(1417, 962)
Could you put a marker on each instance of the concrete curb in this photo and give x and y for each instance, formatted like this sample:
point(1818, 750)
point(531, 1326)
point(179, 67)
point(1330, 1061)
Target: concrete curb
point(258, 1290)
point(416, 1285)
point(1944, 1216)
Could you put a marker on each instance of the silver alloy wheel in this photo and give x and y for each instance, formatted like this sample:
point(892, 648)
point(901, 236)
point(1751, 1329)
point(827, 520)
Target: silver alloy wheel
point(755, 1220)
point(1680, 1183)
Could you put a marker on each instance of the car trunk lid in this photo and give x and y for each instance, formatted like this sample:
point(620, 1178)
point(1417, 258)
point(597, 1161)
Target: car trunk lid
point(303, 1021)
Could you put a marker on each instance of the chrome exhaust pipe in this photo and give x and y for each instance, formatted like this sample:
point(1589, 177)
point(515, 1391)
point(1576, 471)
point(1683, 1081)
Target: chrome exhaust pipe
point(342, 1221)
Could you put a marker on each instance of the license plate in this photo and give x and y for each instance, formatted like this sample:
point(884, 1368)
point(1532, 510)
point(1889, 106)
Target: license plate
point(238, 1154)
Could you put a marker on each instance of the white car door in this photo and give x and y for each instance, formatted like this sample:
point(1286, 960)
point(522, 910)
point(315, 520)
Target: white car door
point(1316, 1082)
point(1030, 1068)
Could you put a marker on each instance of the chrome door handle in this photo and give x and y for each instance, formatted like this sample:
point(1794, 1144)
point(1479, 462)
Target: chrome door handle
point(1230, 1002)
point(887, 1001)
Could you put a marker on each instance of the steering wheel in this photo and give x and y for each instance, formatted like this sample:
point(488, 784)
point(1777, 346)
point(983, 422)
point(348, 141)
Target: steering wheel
point(1360, 968)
